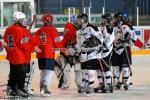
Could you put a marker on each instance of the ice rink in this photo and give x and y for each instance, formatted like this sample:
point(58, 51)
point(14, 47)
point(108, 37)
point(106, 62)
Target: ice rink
point(139, 91)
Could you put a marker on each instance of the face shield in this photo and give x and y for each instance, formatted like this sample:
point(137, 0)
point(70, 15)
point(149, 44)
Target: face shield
point(25, 22)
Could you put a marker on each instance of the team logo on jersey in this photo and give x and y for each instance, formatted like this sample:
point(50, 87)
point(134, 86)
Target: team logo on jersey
point(87, 35)
point(43, 37)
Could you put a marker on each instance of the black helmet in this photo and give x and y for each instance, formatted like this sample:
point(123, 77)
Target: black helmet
point(119, 15)
point(84, 17)
point(108, 17)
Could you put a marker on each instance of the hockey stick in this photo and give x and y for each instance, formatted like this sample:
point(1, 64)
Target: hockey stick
point(59, 72)
point(128, 59)
point(34, 17)
point(128, 37)
point(101, 67)
point(61, 66)
point(105, 63)
point(109, 66)
point(58, 64)
point(62, 69)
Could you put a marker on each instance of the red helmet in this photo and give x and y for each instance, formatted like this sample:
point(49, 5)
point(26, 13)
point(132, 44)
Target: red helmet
point(47, 18)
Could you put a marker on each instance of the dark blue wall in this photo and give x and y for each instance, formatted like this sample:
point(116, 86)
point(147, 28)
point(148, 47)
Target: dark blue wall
point(112, 6)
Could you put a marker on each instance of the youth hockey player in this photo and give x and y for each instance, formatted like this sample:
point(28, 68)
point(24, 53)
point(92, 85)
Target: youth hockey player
point(46, 58)
point(105, 74)
point(137, 42)
point(121, 59)
point(72, 59)
point(18, 46)
point(88, 43)
point(134, 40)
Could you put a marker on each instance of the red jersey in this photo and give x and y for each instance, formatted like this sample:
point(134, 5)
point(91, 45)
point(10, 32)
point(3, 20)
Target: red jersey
point(49, 36)
point(69, 34)
point(18, 48)
point(32, 42)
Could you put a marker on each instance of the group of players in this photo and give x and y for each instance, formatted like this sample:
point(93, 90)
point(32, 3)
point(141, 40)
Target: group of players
point(105, 49)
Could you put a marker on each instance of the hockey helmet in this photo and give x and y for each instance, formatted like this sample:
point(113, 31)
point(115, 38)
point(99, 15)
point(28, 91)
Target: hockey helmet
point(126, 17)
point(18, 16)
point(47, 18)
point(108, 17)
point(119, 15)
point(84, 17)
point(73, 18)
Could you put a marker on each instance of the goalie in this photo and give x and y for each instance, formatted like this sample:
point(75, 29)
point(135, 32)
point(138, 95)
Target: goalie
point(72, 59)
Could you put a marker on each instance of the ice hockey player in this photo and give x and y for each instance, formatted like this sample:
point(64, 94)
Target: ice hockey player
point(134, 40)
point(73, 60)
point(88, 43)
point(137, 42)
point(46, 58)
point(18, 46)
point(105, 72)
point(121, 59)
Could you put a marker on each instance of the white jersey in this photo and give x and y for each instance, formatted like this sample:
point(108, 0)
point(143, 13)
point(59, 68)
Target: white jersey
point(132, 37)
point(121, 34)
point(108, 39)
point(89, 50)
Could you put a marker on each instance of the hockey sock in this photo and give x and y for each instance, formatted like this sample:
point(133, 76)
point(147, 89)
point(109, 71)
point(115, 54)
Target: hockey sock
point(85, 78)
point(42, 78)
point(125, 74)
point(116, 73)
point(100, 77)
point(91, 79)
point(108, 76)
point(48, 74)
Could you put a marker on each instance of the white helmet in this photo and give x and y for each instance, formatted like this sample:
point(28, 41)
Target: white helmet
point(18, 16)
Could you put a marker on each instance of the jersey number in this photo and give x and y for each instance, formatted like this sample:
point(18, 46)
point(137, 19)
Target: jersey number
point(10, 41)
